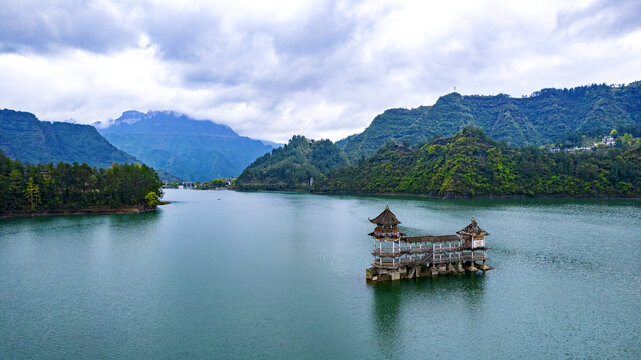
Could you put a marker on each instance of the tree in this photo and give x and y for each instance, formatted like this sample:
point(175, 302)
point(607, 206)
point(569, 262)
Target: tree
point(32, 195)
point(64, 187)
point(152, 198)
point(471, 164)
point(15, 187)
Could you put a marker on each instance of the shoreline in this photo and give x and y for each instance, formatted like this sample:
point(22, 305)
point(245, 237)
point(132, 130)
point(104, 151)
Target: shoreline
point(485, 197)
point(107, 211)
point(454, 197)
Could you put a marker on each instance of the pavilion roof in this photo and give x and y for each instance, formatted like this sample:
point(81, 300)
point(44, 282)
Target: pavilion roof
point(472, 229)
point(387, 217)
point(373, 233)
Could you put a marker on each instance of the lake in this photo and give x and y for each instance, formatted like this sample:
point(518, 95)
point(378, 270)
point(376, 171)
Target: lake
point(222, 274)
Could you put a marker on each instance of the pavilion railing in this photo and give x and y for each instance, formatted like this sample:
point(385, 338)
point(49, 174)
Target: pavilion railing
point(430, 260)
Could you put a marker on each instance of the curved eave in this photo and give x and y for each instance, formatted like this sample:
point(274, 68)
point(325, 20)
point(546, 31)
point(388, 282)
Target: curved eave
point(386, 237)
point(472, 234)
point(378, 222)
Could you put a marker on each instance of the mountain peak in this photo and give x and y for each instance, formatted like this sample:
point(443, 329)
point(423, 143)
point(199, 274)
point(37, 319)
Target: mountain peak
point(18, 115)
point(165, 121)
point(129, 117)
point(196, 150)
point(541, 118)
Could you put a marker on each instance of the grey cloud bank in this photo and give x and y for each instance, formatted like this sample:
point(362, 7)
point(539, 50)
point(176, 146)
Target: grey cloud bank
point(323, 68)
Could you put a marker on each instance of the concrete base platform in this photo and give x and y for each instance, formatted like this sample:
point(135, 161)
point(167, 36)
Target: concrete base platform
point(375, 275)
point(471, 269)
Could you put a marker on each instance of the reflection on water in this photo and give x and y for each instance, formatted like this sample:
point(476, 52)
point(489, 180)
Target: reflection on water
point(387, 308)
point(146, 218)
point(68, 222)
point(418, 298)
point(133, 224)
point(467, 287)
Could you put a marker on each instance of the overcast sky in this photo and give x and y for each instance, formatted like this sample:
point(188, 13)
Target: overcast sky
point(324, 69)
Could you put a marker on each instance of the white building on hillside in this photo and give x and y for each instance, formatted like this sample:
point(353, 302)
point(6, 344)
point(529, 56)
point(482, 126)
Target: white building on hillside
point(607, 141)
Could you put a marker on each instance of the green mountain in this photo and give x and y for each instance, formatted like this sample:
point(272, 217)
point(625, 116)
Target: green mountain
point(542, 118)
point(24, 137)
point(472, 164)
point(190, 149)
point(292, 166)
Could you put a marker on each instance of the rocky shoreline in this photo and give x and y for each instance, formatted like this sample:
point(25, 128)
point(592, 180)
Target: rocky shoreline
point(101, 211)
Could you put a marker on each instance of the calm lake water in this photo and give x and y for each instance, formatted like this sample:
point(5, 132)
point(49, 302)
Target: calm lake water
point(220, 274)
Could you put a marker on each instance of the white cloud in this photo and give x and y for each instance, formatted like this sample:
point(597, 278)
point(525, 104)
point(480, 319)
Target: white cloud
point(323, 68)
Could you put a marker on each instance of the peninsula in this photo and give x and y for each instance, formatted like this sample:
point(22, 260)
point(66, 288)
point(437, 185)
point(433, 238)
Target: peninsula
point(48, 189)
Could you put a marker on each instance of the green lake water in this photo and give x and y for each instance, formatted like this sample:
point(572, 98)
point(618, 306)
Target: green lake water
point(221, 274)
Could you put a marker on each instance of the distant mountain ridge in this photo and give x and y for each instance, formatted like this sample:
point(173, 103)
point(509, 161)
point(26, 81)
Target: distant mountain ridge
point(163, 123)
point(542, 118)
point(24, 137)
point(193, 150)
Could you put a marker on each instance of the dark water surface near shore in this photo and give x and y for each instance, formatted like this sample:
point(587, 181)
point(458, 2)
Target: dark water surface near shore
point(279, 275)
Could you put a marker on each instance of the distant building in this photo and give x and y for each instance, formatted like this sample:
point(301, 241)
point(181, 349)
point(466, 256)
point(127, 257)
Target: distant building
point(187, 185)
point(608, 141)
point(578, 148)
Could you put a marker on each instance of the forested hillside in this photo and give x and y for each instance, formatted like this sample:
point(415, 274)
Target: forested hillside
point(545, 117)
point(192, 150)
point(472, 164)
point(24, 137)
point(49, 188)
point(292, 166)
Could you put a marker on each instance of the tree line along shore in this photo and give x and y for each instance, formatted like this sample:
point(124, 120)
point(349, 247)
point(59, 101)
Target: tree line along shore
point(51, 189)
point(468, 164)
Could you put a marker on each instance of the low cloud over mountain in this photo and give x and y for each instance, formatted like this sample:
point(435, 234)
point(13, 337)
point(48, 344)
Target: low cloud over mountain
point(322, 68)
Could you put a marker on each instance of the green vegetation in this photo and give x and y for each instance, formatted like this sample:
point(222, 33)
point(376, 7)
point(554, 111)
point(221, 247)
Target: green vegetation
point(472, 164)
point(213, 184)
point(24, 137)
point(292, 166)
point(623, 134)
point(48, 188)
point(152, 198)
point(171, 184)
point(543, 118)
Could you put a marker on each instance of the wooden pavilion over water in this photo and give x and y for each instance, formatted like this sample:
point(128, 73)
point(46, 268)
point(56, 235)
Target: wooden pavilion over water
point(398, 256)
